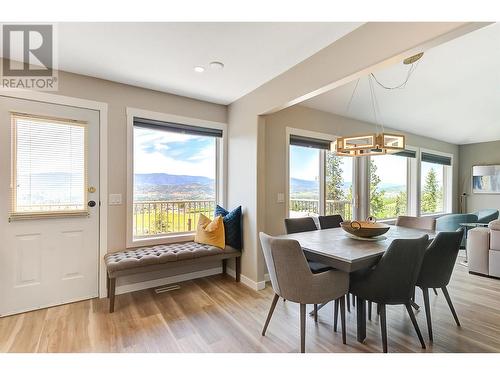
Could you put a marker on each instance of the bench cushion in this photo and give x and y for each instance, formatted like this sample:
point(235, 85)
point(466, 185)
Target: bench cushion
point(161, 254)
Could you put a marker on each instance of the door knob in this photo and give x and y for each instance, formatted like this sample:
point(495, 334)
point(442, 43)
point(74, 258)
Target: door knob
point(91, 204)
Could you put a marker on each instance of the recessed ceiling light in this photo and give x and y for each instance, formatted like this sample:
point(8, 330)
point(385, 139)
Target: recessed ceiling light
point(216, 65)
point(199, 69)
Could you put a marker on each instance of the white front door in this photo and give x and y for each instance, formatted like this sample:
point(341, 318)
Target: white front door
point(49, 225)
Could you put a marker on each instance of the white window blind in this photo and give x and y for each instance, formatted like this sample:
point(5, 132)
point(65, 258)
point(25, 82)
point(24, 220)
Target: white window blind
point(49, 167)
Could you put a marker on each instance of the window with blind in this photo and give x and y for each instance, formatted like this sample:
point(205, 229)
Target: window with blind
point(49, 174)
point(434, 189)
point(175, 177)
point(320, 182)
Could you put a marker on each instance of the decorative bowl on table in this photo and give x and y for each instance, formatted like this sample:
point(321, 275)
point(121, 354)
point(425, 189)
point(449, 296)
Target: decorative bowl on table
point(365, 229)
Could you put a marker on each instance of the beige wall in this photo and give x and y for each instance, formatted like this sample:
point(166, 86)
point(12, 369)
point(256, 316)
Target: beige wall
point(119, 97)
point(311, 119)
point(477, 154)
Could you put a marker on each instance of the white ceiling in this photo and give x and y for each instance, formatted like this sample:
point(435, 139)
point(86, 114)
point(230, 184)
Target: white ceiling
point(161, 56)
point(453, 95)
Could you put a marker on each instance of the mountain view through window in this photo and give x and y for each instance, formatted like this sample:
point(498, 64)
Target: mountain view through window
point(174, 181)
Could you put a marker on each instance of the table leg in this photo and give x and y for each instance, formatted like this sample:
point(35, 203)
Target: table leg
point(361, 318)
point(466, 261)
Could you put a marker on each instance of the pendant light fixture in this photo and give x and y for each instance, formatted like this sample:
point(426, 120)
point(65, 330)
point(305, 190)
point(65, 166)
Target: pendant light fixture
point(380, 142)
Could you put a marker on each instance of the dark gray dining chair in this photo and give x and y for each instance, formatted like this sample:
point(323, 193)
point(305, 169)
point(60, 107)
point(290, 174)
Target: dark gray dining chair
point(416, 222)
point(330, 221)
point(437, 267)
point(392, 281)
point(300, 224)
point(305, 224)
point(292, 279)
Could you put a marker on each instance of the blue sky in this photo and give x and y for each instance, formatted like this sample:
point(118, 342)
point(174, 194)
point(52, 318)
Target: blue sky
point(173, 153)
point(304, 164)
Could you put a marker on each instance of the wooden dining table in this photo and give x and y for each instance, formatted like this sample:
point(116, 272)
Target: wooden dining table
point(335, 248)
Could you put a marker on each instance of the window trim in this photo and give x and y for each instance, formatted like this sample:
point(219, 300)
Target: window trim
point(220, 172)
point(15, 215)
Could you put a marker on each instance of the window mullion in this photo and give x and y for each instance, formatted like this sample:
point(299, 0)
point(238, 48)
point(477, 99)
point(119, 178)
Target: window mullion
point(322, 182)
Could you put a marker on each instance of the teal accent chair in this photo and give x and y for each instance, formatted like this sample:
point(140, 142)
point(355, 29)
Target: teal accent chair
point(450, 223)
point(486, 216)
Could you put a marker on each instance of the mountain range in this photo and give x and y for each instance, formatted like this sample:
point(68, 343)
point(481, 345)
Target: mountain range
point(169, 179)
point(164, 186)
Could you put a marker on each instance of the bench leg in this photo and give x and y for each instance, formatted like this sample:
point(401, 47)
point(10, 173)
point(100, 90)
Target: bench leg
point(111, 292)
point(238, 268)
point(224, 266)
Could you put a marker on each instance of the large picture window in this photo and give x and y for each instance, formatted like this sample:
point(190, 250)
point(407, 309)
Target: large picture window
point(434, 170)
point(412, 182)
point(320, 182)
point(338, 186)
point(304, 181)
point(175, 170)
point(388, 175)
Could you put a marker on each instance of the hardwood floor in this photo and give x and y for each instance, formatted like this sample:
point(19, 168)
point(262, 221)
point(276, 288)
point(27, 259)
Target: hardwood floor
point(215, 314)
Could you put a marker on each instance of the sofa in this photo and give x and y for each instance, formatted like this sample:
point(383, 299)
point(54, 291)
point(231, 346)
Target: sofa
point(486, 215)
point(483, 250)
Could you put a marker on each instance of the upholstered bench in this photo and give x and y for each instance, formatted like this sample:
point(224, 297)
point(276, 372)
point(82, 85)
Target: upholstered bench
point(161, 257)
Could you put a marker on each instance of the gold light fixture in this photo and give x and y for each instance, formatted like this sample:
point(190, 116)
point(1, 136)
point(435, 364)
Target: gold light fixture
point(369, 144)
point(379, 143)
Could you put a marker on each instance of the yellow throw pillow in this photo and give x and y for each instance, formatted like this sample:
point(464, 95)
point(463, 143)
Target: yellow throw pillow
point(210, 232)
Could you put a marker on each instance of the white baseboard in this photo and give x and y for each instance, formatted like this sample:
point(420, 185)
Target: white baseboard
point(248, 281)
point(189, 276)
point(167, 280)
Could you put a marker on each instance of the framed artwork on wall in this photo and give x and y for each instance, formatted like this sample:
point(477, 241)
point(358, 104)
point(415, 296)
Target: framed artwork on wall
point(486, 179)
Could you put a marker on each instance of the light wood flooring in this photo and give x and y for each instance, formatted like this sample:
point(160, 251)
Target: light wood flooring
point(215, 314)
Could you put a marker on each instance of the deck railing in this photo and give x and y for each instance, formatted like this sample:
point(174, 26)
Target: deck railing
point(311, 206)
point(152, 218)
point(163, 217)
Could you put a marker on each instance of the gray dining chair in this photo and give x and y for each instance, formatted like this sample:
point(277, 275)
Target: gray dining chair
point(425, 223)
point(307, 224)
point(292, 279)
